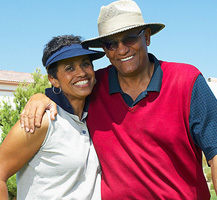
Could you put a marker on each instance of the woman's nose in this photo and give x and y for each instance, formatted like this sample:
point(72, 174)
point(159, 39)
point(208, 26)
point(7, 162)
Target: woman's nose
point(80, 71)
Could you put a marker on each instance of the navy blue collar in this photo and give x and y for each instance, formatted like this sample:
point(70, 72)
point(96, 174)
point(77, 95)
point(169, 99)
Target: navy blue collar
point(63, 102)
point(154, 85)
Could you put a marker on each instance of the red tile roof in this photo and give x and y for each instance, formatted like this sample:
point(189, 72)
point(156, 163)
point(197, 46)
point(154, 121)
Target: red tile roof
point(11, 76)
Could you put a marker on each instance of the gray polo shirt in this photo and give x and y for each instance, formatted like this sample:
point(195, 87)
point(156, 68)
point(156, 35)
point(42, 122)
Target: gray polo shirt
point(66, 166)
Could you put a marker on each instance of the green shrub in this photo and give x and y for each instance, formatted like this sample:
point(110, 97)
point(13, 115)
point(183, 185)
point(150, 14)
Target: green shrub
point(10, 115)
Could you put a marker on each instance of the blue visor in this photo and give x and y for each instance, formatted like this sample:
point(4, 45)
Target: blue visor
point(73, 51)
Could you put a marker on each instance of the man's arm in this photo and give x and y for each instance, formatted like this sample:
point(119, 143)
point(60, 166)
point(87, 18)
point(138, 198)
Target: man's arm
point(213, 165)
point(34, 110)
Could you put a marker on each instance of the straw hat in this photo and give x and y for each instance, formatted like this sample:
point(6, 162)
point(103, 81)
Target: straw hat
point(117, 17)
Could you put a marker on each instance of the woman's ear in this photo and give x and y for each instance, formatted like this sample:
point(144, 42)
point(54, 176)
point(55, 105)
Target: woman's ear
point(53, 81)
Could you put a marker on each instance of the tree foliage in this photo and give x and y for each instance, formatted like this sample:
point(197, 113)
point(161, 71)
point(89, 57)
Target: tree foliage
point(10, 114)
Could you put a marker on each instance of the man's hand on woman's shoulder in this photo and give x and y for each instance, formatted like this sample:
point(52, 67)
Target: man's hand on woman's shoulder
point(34, 110)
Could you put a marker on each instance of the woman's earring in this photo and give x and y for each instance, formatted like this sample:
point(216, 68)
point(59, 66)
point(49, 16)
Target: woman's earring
point(55, 91)
point(95, 82)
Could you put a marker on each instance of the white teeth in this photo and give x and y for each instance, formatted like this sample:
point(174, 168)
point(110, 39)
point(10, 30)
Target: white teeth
point(125, 59)
point(82, 82)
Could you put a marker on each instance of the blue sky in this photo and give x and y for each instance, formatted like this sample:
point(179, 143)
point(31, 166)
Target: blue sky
point(190, 35)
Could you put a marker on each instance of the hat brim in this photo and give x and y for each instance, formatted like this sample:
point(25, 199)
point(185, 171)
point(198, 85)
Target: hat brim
point(97, 41)
point(96, 55)
point(71, 51)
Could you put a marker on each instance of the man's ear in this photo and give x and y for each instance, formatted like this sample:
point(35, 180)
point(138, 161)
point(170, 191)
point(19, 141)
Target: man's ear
point(148, 36)
point(53, 81)
point(106, 51)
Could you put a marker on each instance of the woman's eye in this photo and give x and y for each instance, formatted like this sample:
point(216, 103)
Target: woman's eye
point(86, 64)
point(69, 68)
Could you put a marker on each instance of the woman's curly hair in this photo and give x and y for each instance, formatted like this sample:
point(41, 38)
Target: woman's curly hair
point(55, 44)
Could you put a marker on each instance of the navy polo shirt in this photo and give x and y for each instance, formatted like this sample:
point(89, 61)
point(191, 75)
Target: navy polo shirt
point(203, 110)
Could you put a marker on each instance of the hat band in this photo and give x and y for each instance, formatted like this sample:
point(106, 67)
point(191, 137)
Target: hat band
point(128, 20)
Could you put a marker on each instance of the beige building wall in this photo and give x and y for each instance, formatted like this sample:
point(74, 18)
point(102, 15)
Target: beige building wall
point(9, 80)
point(212, 82)
point(7, 90)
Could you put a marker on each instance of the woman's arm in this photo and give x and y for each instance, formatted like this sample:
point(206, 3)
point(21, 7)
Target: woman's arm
point(17, 149)
point(34, 110)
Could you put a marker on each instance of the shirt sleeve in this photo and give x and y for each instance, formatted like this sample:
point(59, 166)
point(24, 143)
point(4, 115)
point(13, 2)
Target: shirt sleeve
point(203, 118)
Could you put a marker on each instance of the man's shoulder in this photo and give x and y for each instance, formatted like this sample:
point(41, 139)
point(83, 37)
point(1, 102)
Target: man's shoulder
point(176, 67)
point(102, 71)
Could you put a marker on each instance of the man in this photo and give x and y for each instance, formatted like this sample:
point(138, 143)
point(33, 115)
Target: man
point(148, 119)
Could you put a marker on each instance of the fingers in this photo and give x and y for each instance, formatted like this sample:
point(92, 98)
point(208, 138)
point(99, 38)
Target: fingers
point(32, 114)
point(53, 110)
point(40, 112)
point(24, 121)
point(38, 117)
point(27, 120)
point(29, 123)
point(31, 119)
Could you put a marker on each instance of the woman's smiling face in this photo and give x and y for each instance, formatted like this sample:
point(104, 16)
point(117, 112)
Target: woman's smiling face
point(75, 76)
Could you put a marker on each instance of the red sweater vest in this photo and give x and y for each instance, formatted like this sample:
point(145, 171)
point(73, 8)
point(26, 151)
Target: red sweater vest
point(146, 152)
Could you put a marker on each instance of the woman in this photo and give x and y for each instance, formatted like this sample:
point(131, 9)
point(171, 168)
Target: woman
point(59, 161)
